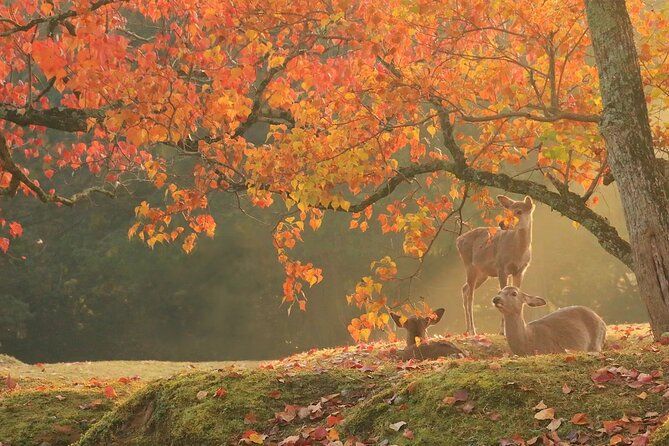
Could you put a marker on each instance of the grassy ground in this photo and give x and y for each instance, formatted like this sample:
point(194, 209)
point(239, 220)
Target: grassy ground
point(325, 396)
point(56, 403)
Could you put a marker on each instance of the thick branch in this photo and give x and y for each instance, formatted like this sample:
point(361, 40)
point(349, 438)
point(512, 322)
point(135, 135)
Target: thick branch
point(567, 203)
point(65, 119)
point(18, 176)
point(54, 19)
point(552, 117)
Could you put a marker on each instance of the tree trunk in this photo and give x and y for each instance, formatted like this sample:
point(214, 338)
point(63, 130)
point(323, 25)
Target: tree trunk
point(626, 129)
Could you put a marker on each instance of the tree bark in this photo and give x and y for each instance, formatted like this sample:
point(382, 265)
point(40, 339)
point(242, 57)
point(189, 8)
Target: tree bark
point(626, 129)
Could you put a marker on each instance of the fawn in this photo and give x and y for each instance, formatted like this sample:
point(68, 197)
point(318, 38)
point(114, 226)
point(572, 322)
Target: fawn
point(492, 252)
point(570, 328)
point(416, 327)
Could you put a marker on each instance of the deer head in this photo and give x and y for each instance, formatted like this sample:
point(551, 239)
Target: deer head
point(510, 300)
point(416, 326)
point(522, 210)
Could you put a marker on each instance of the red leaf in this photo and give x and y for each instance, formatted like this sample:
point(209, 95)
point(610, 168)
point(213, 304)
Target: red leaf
point(220, 392)
point(320, 433)
point(333, 420)
point(4, 244)
point(110, 393)
point(601, 376)
point(15, 229)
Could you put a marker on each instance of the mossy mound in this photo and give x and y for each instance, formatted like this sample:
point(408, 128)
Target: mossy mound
point(6, 361)
point(54, 417)
point(357, 392)
point(451, 402)
point(492, 403)
point(191, 409)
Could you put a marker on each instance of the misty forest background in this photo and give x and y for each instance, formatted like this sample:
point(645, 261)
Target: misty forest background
point(74, 287)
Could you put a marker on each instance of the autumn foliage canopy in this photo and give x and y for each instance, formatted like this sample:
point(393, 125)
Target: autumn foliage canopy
point(310, 107)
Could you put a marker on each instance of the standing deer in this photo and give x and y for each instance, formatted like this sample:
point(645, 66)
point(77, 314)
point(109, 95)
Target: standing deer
point(416, 327)
point(492, 252)
point(571, 328)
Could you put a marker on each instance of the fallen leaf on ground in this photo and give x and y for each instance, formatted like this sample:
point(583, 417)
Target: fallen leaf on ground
point(220, 392)
point(580, 419)
point(616, 439)
point(397, 426)
point(555, 424)
point(250, 418)
point(10, 383)
point(110, 393)
point(252, 437)
point(545, 414)
point(461, 395)
point(92, 405)
point(601, 376)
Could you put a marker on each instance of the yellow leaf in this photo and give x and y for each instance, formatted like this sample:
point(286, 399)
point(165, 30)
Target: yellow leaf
point(546, 414)
point(276, 61)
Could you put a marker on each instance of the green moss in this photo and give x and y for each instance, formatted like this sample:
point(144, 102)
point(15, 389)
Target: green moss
point(6, 361)
point(53, 417)
point(661, 436)
point(509, 393)
point(169, 411)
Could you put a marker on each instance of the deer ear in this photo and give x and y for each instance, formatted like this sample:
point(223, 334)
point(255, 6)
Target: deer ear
point(534, 301)
point(439, 312)
point(528, 202)
point(504, 200)
point(398, 319)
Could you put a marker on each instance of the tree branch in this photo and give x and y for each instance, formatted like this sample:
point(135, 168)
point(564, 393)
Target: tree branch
point(18, 176)
point(65, 119)
point(567, 203)
point(54, 19)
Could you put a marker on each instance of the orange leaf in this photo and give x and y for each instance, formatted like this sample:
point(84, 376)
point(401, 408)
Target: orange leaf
point(110, 393)
point(580, 419)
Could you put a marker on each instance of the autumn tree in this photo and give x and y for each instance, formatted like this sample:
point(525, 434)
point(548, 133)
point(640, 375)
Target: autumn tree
point(629, 139)
point(397, 113)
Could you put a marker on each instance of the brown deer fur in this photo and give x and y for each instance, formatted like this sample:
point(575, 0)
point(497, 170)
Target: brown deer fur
point(492, 252)
point(571, 328)
point(416, 328)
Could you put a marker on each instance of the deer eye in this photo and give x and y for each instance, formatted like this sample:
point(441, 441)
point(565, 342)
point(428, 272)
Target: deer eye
point(519, 212)
point(514, 294)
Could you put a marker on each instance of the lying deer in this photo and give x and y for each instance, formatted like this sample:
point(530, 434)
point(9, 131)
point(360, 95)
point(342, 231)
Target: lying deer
point(492, 252)
point(416, 328)
point(570, 328)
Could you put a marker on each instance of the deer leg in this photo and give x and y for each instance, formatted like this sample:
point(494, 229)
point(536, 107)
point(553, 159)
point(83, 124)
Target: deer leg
point(466, 291)
point(503, 277)
point(467, 302)
point(518, 279)
point(503, 281)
